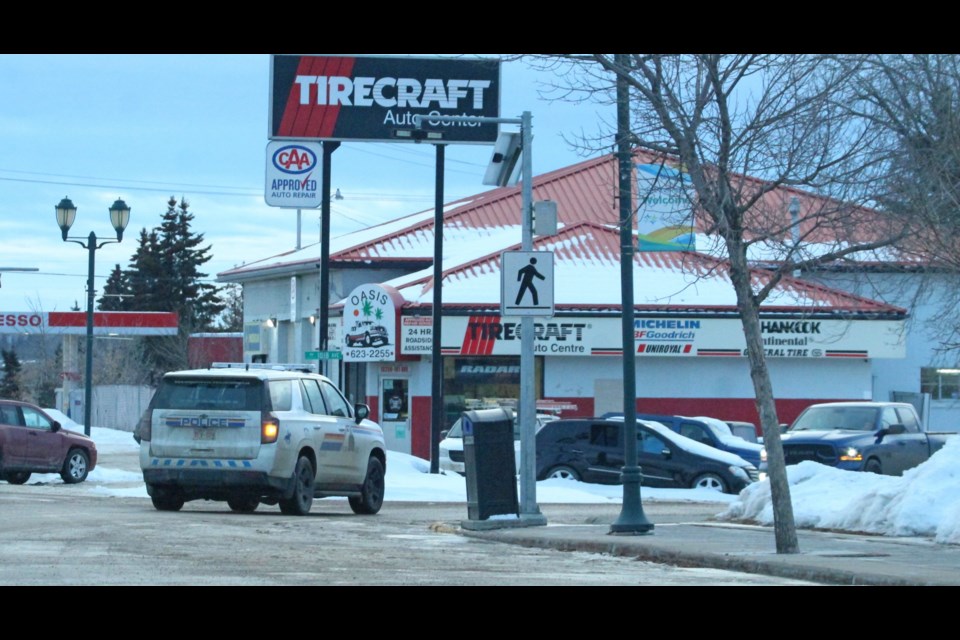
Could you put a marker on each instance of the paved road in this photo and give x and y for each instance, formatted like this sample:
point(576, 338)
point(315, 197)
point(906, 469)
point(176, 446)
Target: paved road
point(56, 534)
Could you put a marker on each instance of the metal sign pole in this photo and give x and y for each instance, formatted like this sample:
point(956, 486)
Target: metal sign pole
point(328, 149)
point(526, 414)
point(529, 510)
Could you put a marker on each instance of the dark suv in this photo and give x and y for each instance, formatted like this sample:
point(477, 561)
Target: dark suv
point(592, 450)
point(33, 442)
point(709, 431)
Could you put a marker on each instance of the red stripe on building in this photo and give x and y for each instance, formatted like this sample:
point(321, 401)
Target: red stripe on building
point(152, 320)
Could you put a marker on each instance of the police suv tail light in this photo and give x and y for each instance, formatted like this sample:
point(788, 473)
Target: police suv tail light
point(143, 430)
point(269, 429)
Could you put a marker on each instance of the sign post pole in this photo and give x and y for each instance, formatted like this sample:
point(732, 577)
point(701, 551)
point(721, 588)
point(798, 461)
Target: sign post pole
point(529, 510)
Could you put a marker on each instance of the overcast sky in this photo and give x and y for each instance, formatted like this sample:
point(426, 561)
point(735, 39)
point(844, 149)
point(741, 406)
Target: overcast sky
point(145, 127)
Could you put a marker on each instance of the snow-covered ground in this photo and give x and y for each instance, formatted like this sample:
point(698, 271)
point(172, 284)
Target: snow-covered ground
point(924, 502)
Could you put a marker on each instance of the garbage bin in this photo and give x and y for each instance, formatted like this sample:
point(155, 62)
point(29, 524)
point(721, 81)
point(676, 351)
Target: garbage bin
point(489, 463)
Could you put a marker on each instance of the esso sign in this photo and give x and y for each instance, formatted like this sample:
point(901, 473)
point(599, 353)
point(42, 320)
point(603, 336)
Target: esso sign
point(20, 320)
point(295, 159)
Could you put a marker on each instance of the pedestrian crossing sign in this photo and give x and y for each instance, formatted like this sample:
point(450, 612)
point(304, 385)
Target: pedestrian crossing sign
point(526, 283)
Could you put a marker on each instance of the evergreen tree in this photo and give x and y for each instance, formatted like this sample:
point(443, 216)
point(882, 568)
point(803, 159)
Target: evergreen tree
point(115, 292)
point(232, 317)
point(10, 385)
point(165, 275)
point(181, 256)
point(146, 279)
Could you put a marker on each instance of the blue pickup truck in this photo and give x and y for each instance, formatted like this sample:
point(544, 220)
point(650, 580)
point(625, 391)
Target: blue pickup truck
point(877, 437)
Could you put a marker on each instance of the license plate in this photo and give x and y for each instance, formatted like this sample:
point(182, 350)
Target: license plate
point(204, 434)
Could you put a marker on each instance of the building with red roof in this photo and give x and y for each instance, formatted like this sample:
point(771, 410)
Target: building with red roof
point(688, 345)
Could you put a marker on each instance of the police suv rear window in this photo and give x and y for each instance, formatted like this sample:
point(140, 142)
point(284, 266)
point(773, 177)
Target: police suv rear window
point(211, 394)
point(281, 395)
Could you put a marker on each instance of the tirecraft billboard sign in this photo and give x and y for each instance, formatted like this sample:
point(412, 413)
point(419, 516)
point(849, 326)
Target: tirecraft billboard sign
point(370, 98)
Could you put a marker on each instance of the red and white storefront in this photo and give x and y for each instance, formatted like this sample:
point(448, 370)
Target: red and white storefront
point(688, 339)
point(687, 366)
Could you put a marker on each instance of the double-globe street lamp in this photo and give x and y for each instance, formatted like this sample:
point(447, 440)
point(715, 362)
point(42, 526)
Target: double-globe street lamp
point(119, 218)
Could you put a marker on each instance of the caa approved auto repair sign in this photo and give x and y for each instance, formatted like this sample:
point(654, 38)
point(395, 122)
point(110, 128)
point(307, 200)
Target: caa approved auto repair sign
point(293, 174)
point(369, 98)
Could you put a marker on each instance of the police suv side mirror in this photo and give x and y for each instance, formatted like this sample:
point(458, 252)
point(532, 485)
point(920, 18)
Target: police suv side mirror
point(360, 412)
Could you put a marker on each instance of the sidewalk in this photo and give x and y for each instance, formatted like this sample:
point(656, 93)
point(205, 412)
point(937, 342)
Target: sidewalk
point(825, 557)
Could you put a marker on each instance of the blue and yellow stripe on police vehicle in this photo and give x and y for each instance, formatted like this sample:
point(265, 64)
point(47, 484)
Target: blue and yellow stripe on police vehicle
point(201, 462)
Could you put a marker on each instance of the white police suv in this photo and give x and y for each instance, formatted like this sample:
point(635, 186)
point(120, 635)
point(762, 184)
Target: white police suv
point(251, 434)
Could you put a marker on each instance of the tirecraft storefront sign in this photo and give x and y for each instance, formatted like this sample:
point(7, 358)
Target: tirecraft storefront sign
point(677, 337)
point(370, 98)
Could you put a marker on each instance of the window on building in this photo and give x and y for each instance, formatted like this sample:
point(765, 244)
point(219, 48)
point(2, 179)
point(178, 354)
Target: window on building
point(354, 381)
point(484, 383)
point(940, 383)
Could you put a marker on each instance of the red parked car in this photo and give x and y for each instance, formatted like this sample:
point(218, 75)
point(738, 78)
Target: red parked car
point(33, 442)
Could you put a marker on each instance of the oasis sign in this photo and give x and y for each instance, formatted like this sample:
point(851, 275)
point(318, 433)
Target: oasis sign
point(370, 324)
point(370, 98)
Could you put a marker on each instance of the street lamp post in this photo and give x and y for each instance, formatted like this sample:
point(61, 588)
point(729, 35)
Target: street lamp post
point(119, 218)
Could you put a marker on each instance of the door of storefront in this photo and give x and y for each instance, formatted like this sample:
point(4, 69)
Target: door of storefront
point(395, 412)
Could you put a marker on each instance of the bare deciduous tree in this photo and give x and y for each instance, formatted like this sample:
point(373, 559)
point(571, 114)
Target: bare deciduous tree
point(915, 99)
point(742, 132)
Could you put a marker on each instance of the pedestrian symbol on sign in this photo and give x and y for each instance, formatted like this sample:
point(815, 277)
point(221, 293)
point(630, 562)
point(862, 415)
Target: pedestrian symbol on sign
point(526, 283)
point(525, 277)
